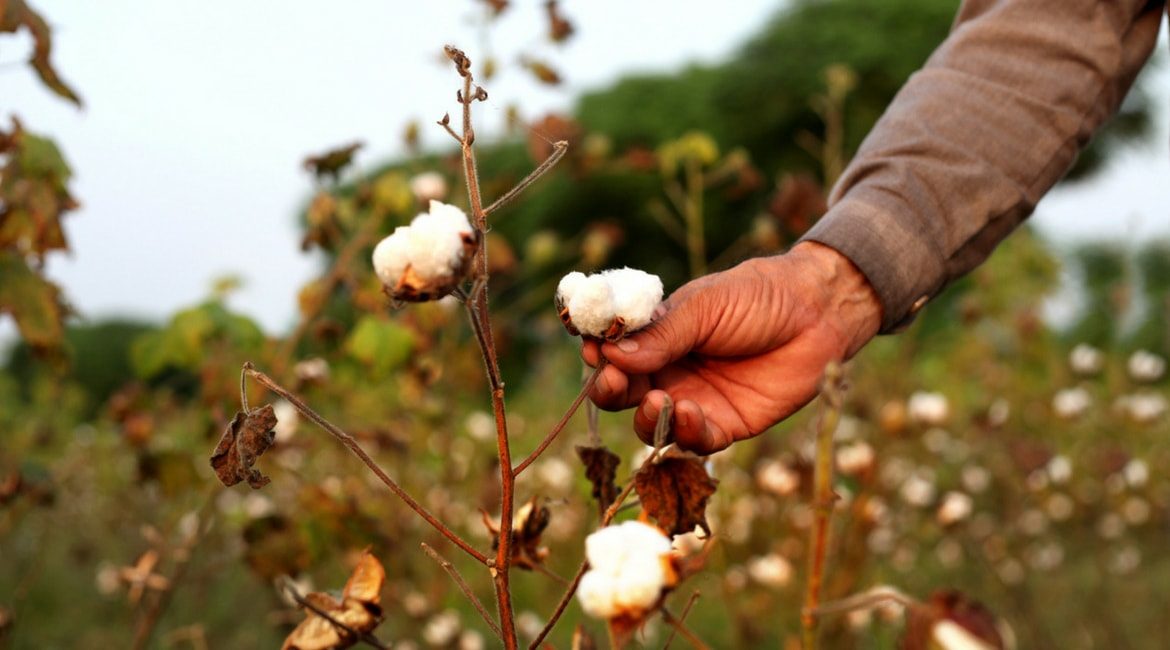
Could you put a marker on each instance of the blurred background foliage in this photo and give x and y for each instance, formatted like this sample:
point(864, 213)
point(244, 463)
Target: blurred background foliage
point(103, 461)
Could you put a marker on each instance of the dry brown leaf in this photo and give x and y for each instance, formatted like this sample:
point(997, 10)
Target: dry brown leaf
point(674, 492)
point(247, 437)
point(15, 14)
point(332, 162)
point(559, 28)
point(601, 469)
point(360, 610)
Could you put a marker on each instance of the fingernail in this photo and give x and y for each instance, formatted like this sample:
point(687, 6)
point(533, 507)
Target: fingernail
point(627, 345)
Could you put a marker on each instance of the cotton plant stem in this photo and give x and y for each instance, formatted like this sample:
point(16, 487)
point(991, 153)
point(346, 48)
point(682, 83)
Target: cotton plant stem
point(681, 617)
point(352, 444)
point(481, 322)
point(823, 498)
point(463, 586)
point(365, 637)
point(556, 430)
point(683, 630)
point(562, 605)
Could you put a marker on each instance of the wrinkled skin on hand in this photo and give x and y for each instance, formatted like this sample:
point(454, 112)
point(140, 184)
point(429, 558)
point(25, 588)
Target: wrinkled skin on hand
point(739, 350)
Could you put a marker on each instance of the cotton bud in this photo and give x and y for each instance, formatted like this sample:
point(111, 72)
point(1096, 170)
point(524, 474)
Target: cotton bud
point(1071, 403)
point(1086, 360)
point(1145, 366)
point(609, 304)
point(629, 566)
point(429, 258)
point(931, 409)
point(955, 507)
point(428, 186)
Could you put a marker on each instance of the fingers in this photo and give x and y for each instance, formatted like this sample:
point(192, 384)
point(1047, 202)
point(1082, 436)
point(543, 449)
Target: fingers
point(690, 429)
point(675, 331)
point(590, 352)
point(615, 390)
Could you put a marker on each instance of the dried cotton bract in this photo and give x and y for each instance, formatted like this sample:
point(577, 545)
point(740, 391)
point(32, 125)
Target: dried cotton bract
point(429, 258)
point(629, 566)
point(609, 304)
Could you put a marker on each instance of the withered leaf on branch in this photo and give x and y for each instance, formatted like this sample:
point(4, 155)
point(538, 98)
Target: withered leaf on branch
point(953, 606)
point(332, 162)
point(559, 28)
point(601, 469)
point(528, 525)
point(543, 72)
point(359, 610)
point(247, 437)
point(674, 492)
point(15, 14)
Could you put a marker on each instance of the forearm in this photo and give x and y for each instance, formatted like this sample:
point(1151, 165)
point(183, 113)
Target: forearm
point(973, 140)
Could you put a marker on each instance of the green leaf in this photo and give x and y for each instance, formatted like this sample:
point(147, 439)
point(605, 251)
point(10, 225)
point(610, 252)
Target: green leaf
point(183, 343)
point(34, 302)
point(381, 344)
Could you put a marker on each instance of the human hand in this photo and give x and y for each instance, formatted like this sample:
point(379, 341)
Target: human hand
point(740, 350)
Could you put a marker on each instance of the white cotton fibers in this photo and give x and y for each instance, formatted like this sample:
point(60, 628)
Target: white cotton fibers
point(628, 569)
point(433, 246)
point(595, 303)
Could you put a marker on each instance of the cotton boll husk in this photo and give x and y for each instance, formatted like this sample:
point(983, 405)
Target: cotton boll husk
point(591, 306)
point(635, 295)
point(391, 256)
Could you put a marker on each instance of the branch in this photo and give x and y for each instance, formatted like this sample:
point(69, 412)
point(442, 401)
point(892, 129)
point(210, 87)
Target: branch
point(366, 637)
point(865, 600)
point(463, 586)
point(682, 629)
point(357, 450)
point(552, 434)
point(560, 147)
point(682, 617)
point(566, 598)
point(823, 499)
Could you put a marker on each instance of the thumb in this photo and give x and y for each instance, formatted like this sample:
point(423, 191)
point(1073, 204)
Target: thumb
point(676, 329)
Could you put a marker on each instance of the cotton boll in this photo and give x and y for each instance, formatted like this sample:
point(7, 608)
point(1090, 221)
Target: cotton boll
point(635, 295)
point(448, 217)
point(591, 306)
point(1086, 359)
point(391, 256)
point(949, 635)
point(931, 409)
point(627, 572)
point(1071, 403)
point(955, 507)
point(1146, 366)
point(595, 593)
point(568, 286)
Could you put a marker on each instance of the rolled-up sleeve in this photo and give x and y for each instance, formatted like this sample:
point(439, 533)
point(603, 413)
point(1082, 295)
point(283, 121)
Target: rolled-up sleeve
point(973, 140)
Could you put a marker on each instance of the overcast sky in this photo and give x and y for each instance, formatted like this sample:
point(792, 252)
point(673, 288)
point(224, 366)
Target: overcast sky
point(188, 153)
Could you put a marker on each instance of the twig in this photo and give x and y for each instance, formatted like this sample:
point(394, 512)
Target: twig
point(366, 637)
point(552, 434)
point(560, 147)
point(681, 617)
point(682, 629)
point(357, 450)
point(463, 586)
point(823, 498)
point(561, 606)
point(865, 600)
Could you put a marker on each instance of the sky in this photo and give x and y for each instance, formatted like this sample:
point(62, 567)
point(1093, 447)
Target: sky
point(188, 152)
